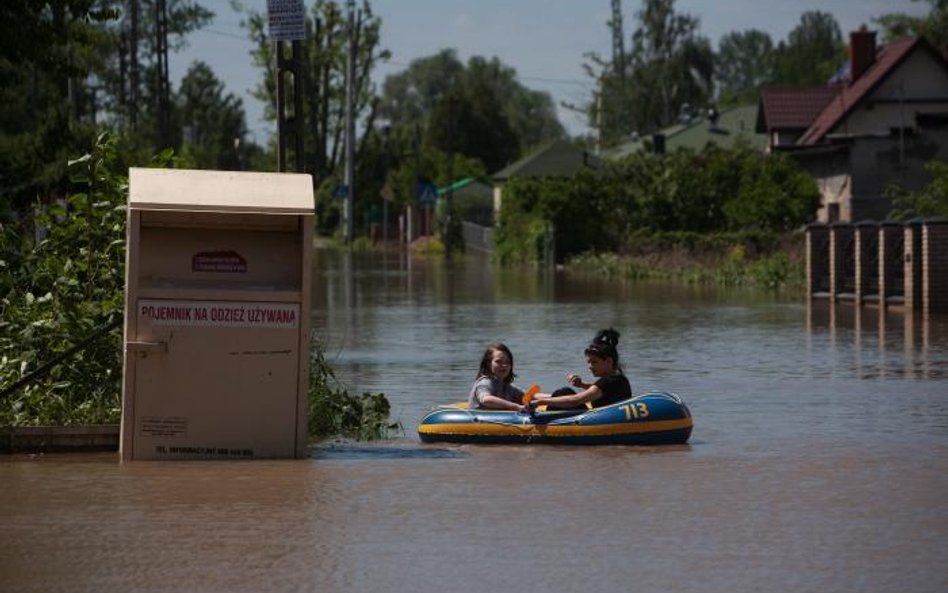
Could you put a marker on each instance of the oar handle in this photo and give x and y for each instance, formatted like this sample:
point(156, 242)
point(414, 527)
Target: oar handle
point(528, 396)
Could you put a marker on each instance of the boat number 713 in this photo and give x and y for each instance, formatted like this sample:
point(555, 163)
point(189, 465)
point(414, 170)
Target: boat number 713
point(635, 410)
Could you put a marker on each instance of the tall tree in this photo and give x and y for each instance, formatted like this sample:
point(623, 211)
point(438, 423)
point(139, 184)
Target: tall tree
point(669, 65)
point(410, 98)
point(214, 124)
point(671, 59)
point(813, 52)
point(743, 63)
point(469, 120)
point(44, 53)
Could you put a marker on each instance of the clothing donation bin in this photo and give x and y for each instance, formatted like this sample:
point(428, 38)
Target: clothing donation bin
point(217, 291)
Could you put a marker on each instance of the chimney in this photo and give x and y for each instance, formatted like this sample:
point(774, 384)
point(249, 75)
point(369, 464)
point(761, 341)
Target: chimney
point(862, 52)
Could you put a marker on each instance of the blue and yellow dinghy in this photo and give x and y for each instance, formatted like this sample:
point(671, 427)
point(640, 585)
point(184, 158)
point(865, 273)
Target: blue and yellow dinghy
point(654, 418)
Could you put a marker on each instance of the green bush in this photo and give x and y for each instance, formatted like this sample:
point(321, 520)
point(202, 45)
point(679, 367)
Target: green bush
point(333, 411)
point(930, 201)
point(683, 197)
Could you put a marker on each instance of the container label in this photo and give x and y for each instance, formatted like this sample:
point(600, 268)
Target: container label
point(218, 314)
point(228, 262)
point(164, 426)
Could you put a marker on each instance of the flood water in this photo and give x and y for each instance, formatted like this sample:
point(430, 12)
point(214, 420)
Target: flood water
point(819, 459)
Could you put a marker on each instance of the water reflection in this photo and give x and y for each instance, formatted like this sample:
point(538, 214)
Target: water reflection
point(362, 452)
point(879, 342)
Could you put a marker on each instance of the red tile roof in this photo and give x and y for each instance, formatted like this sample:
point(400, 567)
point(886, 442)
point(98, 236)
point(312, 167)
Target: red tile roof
point(888, 57)
point(792, 107)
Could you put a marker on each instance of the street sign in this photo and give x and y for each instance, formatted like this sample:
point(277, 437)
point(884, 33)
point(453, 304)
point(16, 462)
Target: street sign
point(426, 193)
point(386, 193)
point(286, 19)
point(341, 191)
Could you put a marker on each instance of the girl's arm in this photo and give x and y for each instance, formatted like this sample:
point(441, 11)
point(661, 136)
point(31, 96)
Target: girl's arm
point(498, 403)
point(590, 394)
point(576, 381)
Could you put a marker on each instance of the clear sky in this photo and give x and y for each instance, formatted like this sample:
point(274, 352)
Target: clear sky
point(543, 40)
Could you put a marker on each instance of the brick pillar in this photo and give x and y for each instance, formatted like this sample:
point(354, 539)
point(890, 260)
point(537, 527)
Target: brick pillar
point(913, 263)
point(891, 263)
point(842, 262)
point(817, 261)
point(867, 262)
point(935, 266)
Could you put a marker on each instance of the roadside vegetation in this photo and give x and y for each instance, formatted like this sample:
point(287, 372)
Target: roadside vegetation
point(731, 217)
point(62, 280)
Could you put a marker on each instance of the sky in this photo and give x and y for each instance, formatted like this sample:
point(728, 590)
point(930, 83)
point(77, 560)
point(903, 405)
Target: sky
point(545, 41)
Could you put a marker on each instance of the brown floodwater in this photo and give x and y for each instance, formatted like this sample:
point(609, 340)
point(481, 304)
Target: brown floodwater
point(819, 460)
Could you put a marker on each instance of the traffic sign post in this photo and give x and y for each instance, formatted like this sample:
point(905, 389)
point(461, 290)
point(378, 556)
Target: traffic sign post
point(286, 23)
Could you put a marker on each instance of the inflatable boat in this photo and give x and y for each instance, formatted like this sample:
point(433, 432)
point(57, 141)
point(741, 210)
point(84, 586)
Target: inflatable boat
point(655, 418)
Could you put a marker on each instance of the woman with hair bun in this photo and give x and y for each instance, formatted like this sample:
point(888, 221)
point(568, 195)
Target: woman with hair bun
point(611, 385)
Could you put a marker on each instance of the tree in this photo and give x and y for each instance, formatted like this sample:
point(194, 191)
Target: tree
point(43, 48)
point(668, 67)
point(933, 27)
point(930, 201)
point(411, 97)
point(470, 120)
point(64, 74)
point(813, 52)
point(214, 123)
point(744, 63)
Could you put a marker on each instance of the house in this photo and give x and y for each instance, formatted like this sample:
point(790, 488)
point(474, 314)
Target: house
point(726, 129)
point(558, 158)
point(878, 123)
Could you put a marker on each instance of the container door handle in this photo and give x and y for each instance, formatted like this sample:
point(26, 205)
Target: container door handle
point(146, 346)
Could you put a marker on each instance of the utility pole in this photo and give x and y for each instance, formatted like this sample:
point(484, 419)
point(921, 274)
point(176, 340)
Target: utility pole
point(289, 127)
point(161, 47)
point(287, 23)
point(614, 84)
point(348, 211)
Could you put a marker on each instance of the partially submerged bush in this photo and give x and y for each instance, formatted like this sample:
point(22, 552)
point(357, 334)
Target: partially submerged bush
point(334, 412)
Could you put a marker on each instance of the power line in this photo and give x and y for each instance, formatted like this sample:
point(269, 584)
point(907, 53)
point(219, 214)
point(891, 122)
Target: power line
point(573, 82)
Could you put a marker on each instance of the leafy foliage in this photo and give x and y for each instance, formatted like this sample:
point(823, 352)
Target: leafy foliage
point(214, 121)
point(334, 412)
point(930, 201)
point(58, 289)
point(744, 62)
point(933, 26)
point(711, 191)
point(813, 52)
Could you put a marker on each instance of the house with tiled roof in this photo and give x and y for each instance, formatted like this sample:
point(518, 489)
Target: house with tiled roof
point(786, 112)
point(878, 124)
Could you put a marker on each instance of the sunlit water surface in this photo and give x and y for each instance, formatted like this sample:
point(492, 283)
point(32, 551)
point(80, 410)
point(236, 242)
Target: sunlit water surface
point(819, 460)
